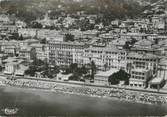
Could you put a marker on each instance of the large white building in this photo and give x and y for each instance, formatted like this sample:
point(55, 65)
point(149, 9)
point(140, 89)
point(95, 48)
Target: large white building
point(139, 77)
point(65, 53)
point(27, 32)
point(12, 64)
point(105, 58)
point(142, 61)
point(142, 67)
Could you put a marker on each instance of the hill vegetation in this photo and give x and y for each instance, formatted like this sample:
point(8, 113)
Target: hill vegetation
point(29, 10)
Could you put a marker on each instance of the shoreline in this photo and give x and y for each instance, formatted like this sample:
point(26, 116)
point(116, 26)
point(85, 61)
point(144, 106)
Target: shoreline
point(90, 91)
point(160, 92)
point(55, 98)
point(53, 91)
point(75, 94)
point(48, 90)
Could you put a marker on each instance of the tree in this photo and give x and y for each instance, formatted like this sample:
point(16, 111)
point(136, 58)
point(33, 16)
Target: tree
point(36, 66)
point(133, 41)
point(31, 71)
point(73, 67)
point(156, 41)
point(105, 66)
point(74, 77)
point(43, 41)
point(55, 70)
point(93, 69)
point(36, 25)
point(1, 68)
point(83, 70)
point(127, 45)
point(121, 75)
point(38, 62)
point(69, 37)
point(21, 37)
point(15, 36)
point(77, 72)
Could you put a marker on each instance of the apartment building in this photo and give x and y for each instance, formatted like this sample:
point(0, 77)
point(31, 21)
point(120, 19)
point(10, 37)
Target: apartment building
point(137, 36)
point(66, 53)
point(142, 67)
point(105, 58)
point(27, 32)
point(8, 48)
point(140, 77)
point(146, 46)
point(158, 81)
point(142, 61)
point(41, 51)
point(27, 53)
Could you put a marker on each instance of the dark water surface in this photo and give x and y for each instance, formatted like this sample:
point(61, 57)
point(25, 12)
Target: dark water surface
point(36, 102)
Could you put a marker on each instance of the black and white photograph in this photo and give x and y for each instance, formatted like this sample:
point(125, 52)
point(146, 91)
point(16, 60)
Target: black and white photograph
point(83, 58)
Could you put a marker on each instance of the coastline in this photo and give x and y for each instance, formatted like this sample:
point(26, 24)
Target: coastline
point(53, 91)
point(67, 90)
point(27, 98)
point(76, 94)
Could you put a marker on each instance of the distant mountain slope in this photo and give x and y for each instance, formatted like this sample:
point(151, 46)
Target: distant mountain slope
point(31, 9)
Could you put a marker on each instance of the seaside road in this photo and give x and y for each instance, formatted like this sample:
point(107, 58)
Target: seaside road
point(161, 92)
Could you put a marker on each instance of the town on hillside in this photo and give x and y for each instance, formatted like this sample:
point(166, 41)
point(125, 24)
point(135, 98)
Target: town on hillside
point(126, 52)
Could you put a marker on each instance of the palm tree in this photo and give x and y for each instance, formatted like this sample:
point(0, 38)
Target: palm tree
point(93, 69)
point(105, 66)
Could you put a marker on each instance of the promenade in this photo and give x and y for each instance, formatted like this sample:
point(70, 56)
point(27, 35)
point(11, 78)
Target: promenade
point(160, 92)
point(121, 94)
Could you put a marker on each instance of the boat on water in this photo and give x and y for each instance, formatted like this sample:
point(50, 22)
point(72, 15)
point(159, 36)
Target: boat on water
point(10, 111)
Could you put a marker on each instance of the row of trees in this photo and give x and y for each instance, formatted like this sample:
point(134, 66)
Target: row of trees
point(51, 71)
point(78, 73)
point(81, 73)
point(90, 71)
point(42, 67)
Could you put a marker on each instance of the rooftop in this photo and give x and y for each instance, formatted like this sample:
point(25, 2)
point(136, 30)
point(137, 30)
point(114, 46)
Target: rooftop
point(142, 56)
point(107, 73)
point(119, 42)
point(156, 80)
point(163, 62)
point(144, 43)
point(36, 45)
point(65, 43)
point(111, 48)
point(13, 60)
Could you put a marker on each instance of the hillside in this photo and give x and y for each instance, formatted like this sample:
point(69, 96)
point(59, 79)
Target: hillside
point(29, 10)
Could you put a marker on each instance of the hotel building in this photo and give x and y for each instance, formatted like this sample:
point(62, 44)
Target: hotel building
point(105, 58)
point(139, 77)
point(66, 53)
point(142, 68)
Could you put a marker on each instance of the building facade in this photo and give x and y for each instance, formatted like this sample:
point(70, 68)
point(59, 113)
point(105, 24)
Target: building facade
point(142, 61)
point(139, 77)
point(65, 53)
point(105, 58)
